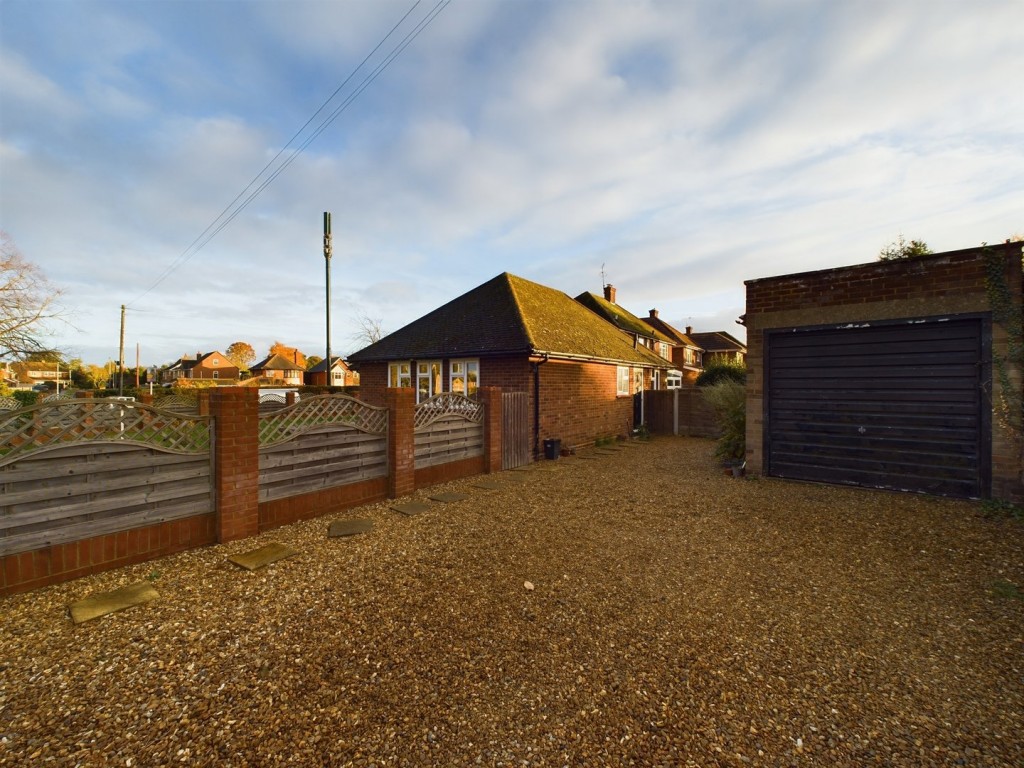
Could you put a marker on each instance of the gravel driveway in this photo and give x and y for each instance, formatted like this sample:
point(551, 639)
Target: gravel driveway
point(637, 608)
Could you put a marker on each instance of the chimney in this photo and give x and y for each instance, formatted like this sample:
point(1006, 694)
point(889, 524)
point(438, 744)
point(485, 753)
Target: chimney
point(689, 330)
point(654, 313)
point(609, 293)
point(198, 354)
point(295, 357)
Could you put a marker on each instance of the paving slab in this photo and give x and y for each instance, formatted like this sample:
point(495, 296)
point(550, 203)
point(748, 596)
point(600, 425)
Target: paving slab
point(449, 496)
point(589, 456)
point(410, 508)
point(262, 557)
point(488, 485)
point(116, 600)
point(339, 528)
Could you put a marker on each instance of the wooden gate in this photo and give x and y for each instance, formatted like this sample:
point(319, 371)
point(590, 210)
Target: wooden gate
point(515, 429)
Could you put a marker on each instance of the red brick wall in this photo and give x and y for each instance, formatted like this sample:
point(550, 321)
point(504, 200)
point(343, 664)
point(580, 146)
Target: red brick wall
point(579, 403)
point(63, 562)
point(401, 403)
point(273, 514)
point(453, 470)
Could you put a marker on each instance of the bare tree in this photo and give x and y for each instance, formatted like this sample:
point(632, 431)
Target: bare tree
point(369, 330)
point(27, 301)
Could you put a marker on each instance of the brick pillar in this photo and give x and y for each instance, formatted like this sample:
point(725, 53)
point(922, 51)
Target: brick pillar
point(401, 403)
point(146, 398)
point(289, 398)
point(236, 460)
point(203, 401)
point(491, 399)
point(84, 394)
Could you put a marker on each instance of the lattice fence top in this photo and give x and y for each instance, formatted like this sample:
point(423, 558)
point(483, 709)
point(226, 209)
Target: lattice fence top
point(67, 422)
point(273, 398)
point(177, 403)
point(66, 394)
point(447, 404)
point(9, 404)
point(320, 411)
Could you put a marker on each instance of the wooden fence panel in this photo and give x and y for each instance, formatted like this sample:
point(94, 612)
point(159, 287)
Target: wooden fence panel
point(319, 459)
point(80, 490)
point(450, 438)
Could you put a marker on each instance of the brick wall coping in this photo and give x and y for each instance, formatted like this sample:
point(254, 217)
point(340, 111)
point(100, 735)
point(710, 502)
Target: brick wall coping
point(886, 267)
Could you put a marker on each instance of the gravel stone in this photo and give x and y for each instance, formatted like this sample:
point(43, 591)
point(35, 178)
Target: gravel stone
point(678, 617)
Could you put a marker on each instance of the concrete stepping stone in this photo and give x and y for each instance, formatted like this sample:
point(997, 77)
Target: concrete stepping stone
point(264, 556)
point(116, 600)
point(411, 508)
point(339, 528)
point(449, 496)
point(488, 485)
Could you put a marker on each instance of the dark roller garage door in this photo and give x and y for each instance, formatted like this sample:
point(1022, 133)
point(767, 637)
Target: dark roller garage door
point(896, 405)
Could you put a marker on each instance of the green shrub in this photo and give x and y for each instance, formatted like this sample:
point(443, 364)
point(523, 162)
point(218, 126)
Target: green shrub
point(729, 400)
point(722, 370)
point(26, 397)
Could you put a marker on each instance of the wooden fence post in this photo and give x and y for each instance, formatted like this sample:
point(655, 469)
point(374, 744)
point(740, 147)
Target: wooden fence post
point(236, 461)
point(401, 403)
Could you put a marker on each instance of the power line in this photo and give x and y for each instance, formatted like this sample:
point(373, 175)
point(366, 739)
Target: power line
point(232, 210)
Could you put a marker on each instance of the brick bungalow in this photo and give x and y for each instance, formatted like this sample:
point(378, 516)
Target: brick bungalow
point(341, 374)
point(579, 371)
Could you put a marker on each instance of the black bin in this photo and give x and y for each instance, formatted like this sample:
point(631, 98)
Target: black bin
point(552, 448)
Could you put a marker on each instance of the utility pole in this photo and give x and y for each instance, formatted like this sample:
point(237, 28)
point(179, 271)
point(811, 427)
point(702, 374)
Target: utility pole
point(327, 262)
point(120, 358)
point(137, 350)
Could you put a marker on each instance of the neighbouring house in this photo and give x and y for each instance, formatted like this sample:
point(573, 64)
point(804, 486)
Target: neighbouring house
point(638, 332)
point(578, 372)
point(902, 374)
point(209, 366)
point(718, 345)
point(35, 374)
point(687, 354)
point(277, 369)
point(341, 374)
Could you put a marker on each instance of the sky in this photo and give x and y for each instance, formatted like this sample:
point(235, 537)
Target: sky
point(672, 149)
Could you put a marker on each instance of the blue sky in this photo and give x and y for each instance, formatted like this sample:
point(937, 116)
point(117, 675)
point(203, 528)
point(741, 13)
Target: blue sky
point(683, 147)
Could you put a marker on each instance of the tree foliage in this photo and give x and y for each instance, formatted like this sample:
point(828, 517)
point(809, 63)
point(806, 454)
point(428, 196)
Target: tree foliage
point(313, 361)
point(722, 370)
point(902, 249)
point(27, 302)
point(240, 353)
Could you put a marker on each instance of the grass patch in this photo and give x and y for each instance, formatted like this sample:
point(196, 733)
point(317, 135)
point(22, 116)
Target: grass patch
point(1006, 590)
point(1003, 510)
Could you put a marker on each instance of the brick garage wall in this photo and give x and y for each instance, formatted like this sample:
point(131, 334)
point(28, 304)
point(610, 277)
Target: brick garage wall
point(63, 562)
point(949, 283)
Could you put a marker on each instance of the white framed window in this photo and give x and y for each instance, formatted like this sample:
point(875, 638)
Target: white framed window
point(674, 379)
point(338, 377)
point(400, 375)
point(622, 380)
point(464, 377)
point(428, 379)
point(638, 380)
point(216, 374)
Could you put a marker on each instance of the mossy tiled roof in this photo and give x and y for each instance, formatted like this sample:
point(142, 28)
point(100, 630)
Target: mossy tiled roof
point(508, 315)
point(625, 320)
point(671, 331)
point(718, 341)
